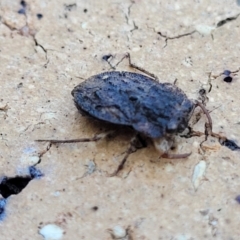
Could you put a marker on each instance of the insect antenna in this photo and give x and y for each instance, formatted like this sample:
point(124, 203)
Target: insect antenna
point(95, 138)
point(198, 104)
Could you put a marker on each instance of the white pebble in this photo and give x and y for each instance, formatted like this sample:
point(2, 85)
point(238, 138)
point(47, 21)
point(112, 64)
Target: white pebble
point(198, 174)
point(204, 29)
point(119, 232)
point(51, 232)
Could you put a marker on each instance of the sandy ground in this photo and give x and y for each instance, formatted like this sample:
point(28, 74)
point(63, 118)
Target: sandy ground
point(46, 49)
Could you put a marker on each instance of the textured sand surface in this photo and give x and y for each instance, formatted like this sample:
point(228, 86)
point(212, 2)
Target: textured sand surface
point(43, 57)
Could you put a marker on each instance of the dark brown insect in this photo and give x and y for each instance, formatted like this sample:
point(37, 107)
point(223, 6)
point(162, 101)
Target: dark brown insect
point(155, 110)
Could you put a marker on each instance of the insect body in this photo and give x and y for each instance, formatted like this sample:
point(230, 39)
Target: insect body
point(156, 110)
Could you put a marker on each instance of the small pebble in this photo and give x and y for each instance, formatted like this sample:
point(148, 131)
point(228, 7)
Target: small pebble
point(39, 16)
point(22, 11)
point(227, 72)
point(119, 232)
point(227, 79)
point(51, 232)
point(198, 174)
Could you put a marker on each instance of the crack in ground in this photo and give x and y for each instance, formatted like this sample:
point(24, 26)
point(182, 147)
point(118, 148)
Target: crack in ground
point(171, 38)
point(226, 20)
point(14, 185)
point(42, 153)
point(126, 15)
point(37, 44)
point(223, 73)
point(26, 30)
point(175, 37)
point(135, 27)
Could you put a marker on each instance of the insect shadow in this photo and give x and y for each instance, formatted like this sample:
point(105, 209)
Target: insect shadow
point(158, 111)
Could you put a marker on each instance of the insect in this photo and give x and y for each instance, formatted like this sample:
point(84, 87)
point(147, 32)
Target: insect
point(155, 110)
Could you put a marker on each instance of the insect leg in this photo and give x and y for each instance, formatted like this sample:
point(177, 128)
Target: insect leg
point(95, 138)
point(176, 156)
point(164, 144)
point(139, 68)
point(135, 144)
point(207, 115)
